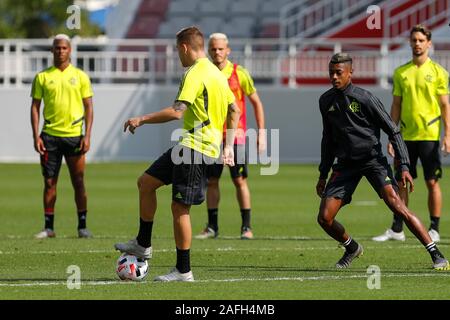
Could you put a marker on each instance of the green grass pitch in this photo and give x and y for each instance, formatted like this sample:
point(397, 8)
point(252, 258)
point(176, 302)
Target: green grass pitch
point(291, 258)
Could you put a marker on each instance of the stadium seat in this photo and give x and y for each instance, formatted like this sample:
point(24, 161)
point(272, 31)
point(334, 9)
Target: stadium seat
point(268, 27)
point(144, 27)
point(213, 7)
point(237, 18)
point(169, 28)
point(270, 8)
point(244, 7)
point(270, 30)
point(166, 30)
point(210, 25)
point(157, 7)
point(240, 27)
point(183, 7)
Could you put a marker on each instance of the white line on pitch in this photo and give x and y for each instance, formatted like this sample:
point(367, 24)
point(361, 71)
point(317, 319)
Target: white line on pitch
point(312, 278)
point(223, 249)
point(102, 237)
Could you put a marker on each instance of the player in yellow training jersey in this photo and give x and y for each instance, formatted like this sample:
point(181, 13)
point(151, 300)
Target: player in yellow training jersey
point(205, 102)
point(420, 103)
point(67, 95)
point(241, 84)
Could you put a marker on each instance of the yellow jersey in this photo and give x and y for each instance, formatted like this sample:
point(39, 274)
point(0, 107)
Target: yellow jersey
point(420, 88)
point(63, 93)
point(205, 89)
point(241, 84)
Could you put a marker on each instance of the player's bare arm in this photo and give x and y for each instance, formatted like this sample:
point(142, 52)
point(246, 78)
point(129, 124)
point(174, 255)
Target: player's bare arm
point(232, 122)
point(88, 118)
point(445, 111)
point(174, 112)
point(407, 179)
point(35, 109)
point(259, 117)
point(396, 109)
point(389, 127)
point(320, 186)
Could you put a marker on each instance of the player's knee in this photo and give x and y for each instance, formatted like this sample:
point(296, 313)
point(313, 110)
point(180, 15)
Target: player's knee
point(145, 183)
point(213, 182)
point(240, 182)
point(50, 184)
point(179, 209)
point(396, 204)
point(323, 221)
point(140, 183)
point(50, 189)
point(78, 181)
point(432, 184)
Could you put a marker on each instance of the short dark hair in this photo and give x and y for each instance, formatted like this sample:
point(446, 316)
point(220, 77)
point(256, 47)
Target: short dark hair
point(192, 36)
point(341, 57)
point(421, 28)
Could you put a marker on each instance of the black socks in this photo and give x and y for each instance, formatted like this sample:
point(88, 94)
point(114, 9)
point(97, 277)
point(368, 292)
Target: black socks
point(434, 223)
point(350, 245)
point(397, 224)
point(213, 219)
point(245, 214)
point(82, 219)
point(183, 261)
point(434, 251)
point(49, 218)
point(144, 237)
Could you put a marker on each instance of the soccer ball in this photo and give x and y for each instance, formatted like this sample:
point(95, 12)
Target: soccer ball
point(132, 268)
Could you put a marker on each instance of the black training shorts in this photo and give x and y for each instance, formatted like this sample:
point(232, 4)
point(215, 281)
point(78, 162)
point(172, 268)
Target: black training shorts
point(346, 176)
point(56, 148)
point(238, 170)
point(185, 169)
point(429, 154)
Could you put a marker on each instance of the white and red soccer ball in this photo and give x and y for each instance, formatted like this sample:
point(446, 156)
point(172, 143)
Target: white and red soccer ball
point(132, 268)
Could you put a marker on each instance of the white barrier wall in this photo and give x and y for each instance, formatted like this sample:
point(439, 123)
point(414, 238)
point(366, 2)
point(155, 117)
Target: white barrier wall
point(294, 112)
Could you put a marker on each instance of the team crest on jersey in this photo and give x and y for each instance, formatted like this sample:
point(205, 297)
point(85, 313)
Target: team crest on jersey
point(73, 81)
point(354, 106)
point(429, 78)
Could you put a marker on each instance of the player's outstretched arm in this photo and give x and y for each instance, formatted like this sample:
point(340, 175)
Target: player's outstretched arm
point(232, 122)
point(174, 112)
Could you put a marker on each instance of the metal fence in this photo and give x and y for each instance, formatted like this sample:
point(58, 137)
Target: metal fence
point(271, 61)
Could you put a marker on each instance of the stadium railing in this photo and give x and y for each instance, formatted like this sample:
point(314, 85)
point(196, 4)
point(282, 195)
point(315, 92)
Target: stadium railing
point(276, 62)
